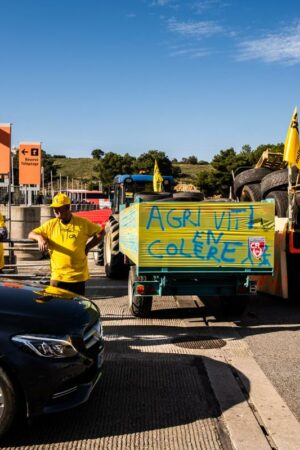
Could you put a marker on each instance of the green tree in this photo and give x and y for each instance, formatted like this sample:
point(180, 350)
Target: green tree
point(219, 180)
point(275, 148)
point(207, 181)
point(113, 164)
point(145, 163)
point(193, 160)
point(49, 166)
point(97, 153)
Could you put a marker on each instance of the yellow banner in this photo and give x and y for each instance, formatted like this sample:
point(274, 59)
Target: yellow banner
point(157, 178)
point(200, 235)
point(291, 146)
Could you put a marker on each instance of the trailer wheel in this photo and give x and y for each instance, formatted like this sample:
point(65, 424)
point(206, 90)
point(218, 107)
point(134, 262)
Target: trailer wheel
point(251, 193)
point(113, 258)
point(139, 306)
point(247, 177)
point(281, 202)
point(99, 256)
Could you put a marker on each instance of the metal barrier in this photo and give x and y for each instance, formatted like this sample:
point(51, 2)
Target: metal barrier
point(11, 249)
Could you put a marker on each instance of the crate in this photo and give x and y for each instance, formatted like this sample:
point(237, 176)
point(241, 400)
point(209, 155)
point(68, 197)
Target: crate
point(271, 160)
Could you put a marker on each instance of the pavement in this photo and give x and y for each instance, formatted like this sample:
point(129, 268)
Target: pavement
point(180, 379)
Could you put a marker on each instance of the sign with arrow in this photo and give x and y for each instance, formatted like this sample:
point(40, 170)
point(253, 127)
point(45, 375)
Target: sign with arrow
point(30, 162)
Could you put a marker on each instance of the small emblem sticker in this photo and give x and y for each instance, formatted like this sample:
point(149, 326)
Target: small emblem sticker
point(257, 246)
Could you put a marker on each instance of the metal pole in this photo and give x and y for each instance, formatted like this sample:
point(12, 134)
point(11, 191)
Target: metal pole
point(290, 197)
point(51, 181)
point(67, 184)
point(59, 181)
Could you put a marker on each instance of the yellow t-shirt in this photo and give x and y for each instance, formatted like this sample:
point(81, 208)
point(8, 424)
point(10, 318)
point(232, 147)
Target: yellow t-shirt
point(2, 224)
point(67, 247)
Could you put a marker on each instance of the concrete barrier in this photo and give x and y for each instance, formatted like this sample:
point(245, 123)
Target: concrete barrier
point(23, 220)
point(46, 213)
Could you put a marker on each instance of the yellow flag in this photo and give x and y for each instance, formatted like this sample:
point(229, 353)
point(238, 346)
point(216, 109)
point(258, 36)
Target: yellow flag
point(291, 145)
point(157, 178)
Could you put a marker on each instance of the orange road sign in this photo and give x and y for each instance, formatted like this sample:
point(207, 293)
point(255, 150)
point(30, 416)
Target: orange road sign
point(30, 161)
point(5, 143)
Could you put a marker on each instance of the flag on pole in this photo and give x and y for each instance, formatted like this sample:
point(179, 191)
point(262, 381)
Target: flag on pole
point(291, 146)
point(157, 178)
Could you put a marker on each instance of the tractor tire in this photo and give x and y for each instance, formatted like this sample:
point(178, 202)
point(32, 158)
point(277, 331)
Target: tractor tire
point(251, 193)
point(247, 177)
point(139, 306)
point(99, 256)
point(153, 196)
point(281, 202)
point(184, 197)
point(191, 196)
point(276, 181)
point(113, 259)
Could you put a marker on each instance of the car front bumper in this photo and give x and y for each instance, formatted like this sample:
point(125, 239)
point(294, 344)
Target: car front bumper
point(54, 385)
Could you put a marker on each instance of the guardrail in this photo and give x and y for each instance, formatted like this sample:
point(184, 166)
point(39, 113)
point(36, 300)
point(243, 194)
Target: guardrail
point(12, 250)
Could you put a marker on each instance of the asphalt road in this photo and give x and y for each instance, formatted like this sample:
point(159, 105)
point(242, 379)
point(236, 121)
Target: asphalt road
point(185, 378)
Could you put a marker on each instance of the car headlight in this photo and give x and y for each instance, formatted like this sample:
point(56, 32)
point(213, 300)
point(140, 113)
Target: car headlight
point(46, 346)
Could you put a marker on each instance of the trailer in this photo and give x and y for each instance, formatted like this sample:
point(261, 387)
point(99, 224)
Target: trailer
point(196, 248)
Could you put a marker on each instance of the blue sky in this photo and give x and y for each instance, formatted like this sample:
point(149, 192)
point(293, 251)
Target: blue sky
point(185, 77)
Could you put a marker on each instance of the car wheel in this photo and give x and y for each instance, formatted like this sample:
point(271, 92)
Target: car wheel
point(8, 403)
point(139, 306)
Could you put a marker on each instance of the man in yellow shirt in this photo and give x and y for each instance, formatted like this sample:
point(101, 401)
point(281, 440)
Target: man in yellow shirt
point(67, 238)
point(3, 236)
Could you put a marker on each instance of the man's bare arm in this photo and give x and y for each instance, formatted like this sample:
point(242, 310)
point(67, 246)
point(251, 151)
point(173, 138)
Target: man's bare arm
point(41, 240)
point(94, 241)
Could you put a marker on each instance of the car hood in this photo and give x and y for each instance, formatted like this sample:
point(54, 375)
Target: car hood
point(44, 307)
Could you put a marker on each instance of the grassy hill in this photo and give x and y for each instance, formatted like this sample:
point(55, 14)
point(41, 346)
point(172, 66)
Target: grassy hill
point(77, 168)
point(189, 171)
point(83, 169)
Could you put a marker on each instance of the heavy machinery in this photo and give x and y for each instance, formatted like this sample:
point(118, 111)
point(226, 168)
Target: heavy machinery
point(176, 243)
point(127, 189)
point(269, 180)
point(196, 248)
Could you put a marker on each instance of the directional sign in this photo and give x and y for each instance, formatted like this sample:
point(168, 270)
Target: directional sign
point(5, 143)
point(30, 162)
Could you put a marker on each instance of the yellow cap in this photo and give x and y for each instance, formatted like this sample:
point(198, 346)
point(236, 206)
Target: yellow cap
point(60, 200)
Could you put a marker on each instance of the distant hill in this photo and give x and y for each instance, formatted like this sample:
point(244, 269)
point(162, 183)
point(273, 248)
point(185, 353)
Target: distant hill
point(77, 168)
point(189, 171)
point(83, 169)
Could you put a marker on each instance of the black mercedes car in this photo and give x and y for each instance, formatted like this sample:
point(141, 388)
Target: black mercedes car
point(51, 350)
